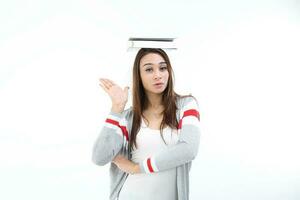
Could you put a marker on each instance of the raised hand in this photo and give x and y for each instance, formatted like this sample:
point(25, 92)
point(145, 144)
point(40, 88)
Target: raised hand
point(117, 95)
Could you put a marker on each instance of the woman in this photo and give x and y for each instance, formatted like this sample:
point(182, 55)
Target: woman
point(152, 144)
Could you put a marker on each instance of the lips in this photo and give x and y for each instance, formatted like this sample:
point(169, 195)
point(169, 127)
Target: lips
point(158, 85)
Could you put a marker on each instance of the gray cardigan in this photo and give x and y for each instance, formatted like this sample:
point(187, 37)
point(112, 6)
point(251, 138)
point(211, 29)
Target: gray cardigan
point(114, 139)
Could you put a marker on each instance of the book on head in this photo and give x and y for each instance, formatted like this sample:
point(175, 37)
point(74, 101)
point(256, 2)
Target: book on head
point(163, 43)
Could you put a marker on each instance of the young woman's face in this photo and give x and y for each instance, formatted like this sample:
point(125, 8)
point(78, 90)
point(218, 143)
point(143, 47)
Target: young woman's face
point(154, 73)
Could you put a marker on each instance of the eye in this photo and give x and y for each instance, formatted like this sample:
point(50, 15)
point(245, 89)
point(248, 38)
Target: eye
point(148, 70)
point(163, 68)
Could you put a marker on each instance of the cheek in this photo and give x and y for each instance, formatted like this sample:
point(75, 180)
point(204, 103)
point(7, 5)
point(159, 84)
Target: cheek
point(167, 75)
point(144, 79)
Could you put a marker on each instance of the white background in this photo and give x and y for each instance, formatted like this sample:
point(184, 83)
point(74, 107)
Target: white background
point(239, 58)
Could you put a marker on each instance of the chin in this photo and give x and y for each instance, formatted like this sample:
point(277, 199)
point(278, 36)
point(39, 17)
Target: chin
point(159, 91)
point(156, 91)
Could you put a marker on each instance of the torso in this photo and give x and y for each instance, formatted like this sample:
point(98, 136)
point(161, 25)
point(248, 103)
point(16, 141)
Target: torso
point(160, 185)
point(153, 119)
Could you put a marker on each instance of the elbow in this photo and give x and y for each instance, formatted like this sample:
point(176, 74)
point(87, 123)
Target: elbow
point(194, 146)
point(99, 160)
point(192, 141)
point(192, 155)
point(192, 152)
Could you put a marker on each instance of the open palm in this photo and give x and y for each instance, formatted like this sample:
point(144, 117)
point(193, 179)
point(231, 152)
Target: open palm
point(117, 95)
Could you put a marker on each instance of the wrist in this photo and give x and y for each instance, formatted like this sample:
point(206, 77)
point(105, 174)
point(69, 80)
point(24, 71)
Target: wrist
point(136, 169)
point(117, 109)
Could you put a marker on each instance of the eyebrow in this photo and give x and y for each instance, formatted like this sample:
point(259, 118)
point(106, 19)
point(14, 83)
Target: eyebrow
point(153, 64)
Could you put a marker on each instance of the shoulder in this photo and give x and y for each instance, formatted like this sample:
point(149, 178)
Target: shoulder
point(186, 101)
point(188, 106)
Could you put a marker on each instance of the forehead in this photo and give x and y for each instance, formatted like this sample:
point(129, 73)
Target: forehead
point(154, 58)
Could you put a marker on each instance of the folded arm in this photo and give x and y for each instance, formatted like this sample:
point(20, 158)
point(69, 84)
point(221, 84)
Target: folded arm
point(187, 146)
point(110, 140)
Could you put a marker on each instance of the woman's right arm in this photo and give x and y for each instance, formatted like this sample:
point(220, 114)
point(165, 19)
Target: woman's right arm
point(110, 139)
point(114, 131)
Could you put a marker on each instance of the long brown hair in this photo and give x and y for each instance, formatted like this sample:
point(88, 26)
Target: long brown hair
point(140, 101)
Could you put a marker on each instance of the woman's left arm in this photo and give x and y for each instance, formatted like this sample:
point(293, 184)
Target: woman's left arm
point(187, 146)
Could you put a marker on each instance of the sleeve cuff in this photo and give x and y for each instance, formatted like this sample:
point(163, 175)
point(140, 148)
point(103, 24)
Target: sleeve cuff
point(148, 166)
point(118, 115)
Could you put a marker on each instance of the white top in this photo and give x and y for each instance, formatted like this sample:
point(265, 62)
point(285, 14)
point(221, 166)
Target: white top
point(160, 185)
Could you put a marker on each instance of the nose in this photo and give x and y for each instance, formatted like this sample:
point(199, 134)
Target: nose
point(157, 74)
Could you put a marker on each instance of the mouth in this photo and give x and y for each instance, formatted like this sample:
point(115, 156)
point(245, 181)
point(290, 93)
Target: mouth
point(158, 85)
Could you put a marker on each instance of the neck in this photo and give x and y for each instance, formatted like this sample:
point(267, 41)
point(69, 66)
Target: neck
point(155, 101)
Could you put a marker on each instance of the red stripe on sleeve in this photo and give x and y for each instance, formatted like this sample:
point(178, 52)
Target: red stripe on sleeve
point(123, 128)
point(114, 122)
point(191, 112)
point(125, 132)
point(149, 165)
point(180, 124)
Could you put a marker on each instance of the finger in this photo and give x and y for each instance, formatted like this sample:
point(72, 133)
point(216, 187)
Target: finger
point(104, 87)
point(126, 89)
point(110, 81)
point(106, 83)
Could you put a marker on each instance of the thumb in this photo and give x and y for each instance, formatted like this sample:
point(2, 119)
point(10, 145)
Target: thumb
point(126, 89)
